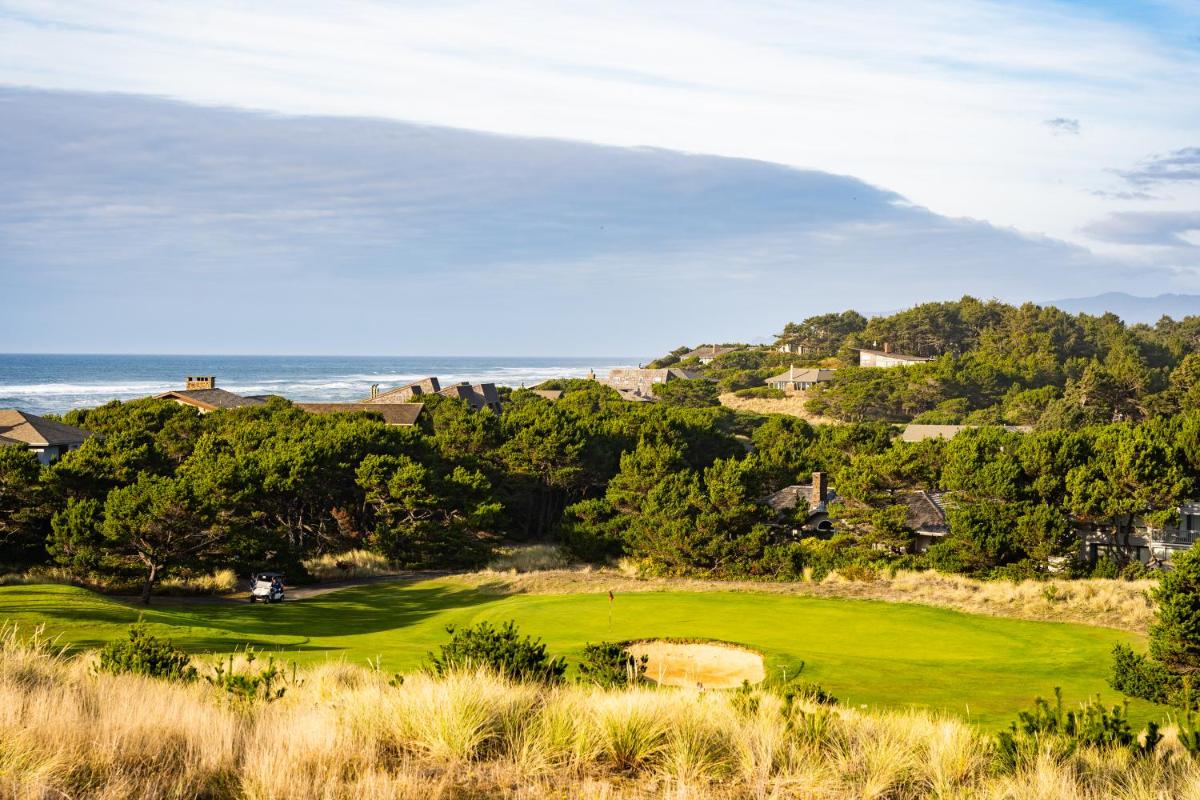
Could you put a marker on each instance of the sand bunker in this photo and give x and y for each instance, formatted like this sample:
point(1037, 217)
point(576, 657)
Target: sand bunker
point(710, 665)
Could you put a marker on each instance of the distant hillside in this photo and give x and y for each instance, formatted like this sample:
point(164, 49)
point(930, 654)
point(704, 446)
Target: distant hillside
point(1133, 309)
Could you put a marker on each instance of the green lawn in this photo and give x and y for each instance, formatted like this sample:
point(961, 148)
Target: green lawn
point(864, 652)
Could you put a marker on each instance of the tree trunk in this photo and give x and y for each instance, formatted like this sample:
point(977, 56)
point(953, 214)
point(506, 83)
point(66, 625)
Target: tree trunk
point(151, 576)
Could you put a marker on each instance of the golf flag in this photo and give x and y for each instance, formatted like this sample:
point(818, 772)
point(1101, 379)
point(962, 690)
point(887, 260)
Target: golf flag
point(610, 595)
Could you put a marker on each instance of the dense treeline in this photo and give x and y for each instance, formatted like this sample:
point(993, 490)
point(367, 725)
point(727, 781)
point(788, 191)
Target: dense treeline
point(163, 490)
point(992, 363)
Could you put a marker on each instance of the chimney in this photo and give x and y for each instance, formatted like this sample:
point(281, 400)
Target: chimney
point(820, 489)
point(201, 382)
point(887, 347)
point(374, 390)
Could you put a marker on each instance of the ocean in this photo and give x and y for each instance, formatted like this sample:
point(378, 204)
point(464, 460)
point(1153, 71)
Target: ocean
point(56, 383)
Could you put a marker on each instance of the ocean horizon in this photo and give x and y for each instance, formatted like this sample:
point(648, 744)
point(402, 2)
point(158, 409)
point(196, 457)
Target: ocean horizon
point(56, 383)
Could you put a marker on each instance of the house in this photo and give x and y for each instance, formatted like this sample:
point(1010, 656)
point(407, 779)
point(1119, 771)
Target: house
point(639, 381)
point(404, 414)
point(49, 439)
point(1131, 538)
point(549, 394)
point(478, 396)
point(816, 495)
point(201, 392)
point(885, 358)
point(926, 517)
point(707, 353)
point(919, 433)
point(798, 380)
point(794, 348)
point(405, 393)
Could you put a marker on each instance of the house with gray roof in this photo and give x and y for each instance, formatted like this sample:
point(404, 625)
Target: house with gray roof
point(46, 437)
point(201, 392)
point(799, 380)
point(639, 382)
point(707, 353)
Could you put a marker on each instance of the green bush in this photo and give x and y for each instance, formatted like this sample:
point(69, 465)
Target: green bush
point(245, 688)
point(610, 664)
point(1050, 729)
point(145, 654)
point(502, 649)
point(1135, 675)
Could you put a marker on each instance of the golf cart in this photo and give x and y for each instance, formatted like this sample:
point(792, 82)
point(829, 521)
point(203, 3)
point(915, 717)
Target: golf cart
point(266, 586)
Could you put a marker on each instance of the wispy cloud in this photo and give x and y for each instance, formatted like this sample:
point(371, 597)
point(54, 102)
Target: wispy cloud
point(1063, 125)
point(215, 228)
point(1180, 166)
point(1158, 228)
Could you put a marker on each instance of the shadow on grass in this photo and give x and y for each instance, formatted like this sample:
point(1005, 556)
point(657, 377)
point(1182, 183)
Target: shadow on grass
point(288, 626)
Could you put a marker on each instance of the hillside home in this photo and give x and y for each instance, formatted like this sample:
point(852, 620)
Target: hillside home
point(49, 439)
point(707, 353)
point(549, 394)
point(1131, 538)
point(638, 382)
point(815, 495)
point(405, 414)
point(799, 380)
point(926, 517)
point(885, 358)
point(477, 396)
point(201, 392)
point(405, 393)
point(794, 348)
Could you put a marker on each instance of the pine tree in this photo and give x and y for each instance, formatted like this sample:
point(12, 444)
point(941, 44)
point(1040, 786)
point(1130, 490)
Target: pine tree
point(1175, 634)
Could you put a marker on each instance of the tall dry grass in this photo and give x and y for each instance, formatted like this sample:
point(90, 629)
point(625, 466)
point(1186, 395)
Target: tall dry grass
point(344, 732)
point(349, 564)
point(1121, 604)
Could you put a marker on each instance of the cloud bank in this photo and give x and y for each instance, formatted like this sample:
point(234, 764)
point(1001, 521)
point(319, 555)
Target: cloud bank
point(132, 224)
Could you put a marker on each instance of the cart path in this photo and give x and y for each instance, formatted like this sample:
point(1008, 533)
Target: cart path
point(291, 593)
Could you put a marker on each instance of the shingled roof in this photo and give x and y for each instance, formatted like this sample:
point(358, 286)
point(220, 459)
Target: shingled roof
point(926, 514)
point(210, 399)
point(20, 427)
point(392, 413)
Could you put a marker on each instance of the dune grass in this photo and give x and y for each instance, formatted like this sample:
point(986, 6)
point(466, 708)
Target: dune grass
point(344, 731)
point(891, 655)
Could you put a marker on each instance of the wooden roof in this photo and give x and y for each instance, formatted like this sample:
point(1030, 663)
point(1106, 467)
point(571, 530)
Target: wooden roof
point(210, 399)
point(392, 413)
point(20, 427)
point(918, 433)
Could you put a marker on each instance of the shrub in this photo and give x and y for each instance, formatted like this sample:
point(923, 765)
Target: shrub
point(1175, 633)
point(145, 654)
point(244, 688)
point(502, 649)
point(610, 664)
point(1050, 729)
point(1136, 675)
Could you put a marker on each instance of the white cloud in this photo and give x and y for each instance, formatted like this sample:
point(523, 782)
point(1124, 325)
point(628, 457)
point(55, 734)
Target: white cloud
point(940, 101)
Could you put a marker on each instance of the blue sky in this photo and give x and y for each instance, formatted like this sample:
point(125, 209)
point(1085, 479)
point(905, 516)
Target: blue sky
point(531, 178)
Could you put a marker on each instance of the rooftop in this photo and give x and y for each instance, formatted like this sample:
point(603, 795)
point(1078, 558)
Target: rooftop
point(392, 413)
point(210, 399)
point(20, 427)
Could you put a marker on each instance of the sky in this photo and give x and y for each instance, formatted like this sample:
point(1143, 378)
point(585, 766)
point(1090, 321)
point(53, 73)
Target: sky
point(577, 178)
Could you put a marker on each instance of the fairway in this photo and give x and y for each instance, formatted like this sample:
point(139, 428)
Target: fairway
point(864, 652)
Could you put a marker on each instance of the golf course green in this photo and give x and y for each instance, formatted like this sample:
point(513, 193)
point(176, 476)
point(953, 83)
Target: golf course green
point(864, 652)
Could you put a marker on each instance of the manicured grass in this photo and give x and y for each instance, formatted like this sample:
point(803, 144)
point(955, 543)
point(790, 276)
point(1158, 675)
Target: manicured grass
point(865, 652)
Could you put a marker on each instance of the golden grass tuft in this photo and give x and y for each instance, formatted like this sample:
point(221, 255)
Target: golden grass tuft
point(344, 731)
point(350, 564)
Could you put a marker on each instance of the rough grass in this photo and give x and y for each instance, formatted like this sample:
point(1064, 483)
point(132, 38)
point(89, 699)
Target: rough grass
point(345, 732)
point(350, 564)
point(893, 655)
point(1120, 604)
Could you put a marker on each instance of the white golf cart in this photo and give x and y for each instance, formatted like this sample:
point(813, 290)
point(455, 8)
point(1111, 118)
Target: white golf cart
point(266, 586)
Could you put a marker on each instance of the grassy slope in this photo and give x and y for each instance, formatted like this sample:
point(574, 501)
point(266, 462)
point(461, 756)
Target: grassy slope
point(863, 651)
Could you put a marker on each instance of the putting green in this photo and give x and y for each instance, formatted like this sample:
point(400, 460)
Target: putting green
point(864, 652)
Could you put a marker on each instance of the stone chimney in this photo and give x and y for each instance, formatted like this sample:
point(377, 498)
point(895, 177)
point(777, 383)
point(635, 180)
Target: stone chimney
point(887, 347)
point(374, 390)
point(820, 489)
point(201, 382)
